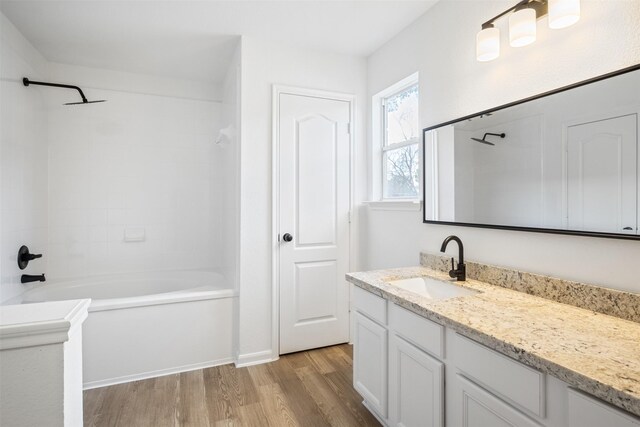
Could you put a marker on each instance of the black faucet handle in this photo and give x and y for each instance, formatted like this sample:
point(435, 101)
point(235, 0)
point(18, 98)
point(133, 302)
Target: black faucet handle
point(24, 256)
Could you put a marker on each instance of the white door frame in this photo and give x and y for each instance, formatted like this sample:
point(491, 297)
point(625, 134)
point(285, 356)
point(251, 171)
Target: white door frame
point(275, 194)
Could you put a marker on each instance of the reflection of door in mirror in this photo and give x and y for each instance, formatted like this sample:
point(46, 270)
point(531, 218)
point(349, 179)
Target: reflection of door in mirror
point(602, 178)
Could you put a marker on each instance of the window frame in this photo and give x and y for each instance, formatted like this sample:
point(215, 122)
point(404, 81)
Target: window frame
point(386, 148)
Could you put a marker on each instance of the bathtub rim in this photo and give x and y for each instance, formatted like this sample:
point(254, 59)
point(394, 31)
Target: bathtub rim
point(159, 299)
point(197, 293)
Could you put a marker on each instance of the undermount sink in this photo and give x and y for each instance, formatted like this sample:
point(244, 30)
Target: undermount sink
point(432, 288)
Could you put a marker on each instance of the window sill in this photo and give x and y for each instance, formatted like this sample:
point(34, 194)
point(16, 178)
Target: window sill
point(395, 205)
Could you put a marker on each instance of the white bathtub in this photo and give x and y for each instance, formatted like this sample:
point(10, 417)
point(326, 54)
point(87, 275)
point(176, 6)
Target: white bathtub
point(143, 325)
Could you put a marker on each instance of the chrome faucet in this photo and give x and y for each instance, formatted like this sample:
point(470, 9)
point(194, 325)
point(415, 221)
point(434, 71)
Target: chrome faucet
point(460, 273)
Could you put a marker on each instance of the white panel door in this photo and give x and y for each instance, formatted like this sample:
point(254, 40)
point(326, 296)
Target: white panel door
point(416, 386)
point(314, 193)
point(602, 175)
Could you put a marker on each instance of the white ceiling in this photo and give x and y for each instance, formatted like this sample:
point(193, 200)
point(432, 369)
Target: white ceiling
point(196, 39)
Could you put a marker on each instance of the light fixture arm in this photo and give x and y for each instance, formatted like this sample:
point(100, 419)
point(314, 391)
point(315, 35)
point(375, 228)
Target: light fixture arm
point(540, 6)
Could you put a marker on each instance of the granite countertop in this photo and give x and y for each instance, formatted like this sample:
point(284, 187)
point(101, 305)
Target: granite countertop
point(593, 352)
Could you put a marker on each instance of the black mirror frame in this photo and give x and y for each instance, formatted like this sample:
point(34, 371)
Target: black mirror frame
point(501, 107)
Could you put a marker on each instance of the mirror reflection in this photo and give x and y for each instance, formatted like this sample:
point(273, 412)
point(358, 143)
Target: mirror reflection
point(567, 161)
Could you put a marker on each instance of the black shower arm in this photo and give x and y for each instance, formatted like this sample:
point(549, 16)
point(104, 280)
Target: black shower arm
point(28, 82)
point(501, 135)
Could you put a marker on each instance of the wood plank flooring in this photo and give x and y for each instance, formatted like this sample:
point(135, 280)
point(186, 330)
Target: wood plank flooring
point(311, 388)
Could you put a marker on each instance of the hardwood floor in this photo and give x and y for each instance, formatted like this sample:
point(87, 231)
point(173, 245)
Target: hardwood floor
point(311, 388)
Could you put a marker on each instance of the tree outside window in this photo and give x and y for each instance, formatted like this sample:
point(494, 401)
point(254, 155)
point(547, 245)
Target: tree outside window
point(401, 145)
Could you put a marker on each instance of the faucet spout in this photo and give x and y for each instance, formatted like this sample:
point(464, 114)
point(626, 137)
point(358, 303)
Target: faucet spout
point(28, 278)
point(460, 247)
point(460, 272)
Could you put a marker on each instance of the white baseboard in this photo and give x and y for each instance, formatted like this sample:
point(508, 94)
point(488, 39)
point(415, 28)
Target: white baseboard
point(374, 413)
point(256, 358)
point(153, 374)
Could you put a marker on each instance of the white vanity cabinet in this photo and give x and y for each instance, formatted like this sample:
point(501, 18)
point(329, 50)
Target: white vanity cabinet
point(370, 348)
point(587, 411)
point(519, 385)
point(478, 408)
point(416, 375)
point(370, 363)
point(402, 362)
point(399, 380)
point(416, 386)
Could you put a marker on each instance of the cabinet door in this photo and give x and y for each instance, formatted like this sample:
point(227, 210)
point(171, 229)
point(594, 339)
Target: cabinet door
point(416, 386)
point(587, 411)
point(476, 407)
point(370, 363)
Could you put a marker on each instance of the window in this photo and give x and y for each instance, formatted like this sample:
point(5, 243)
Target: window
point(400, 144)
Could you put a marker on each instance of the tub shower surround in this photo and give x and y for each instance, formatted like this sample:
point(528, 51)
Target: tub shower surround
point(592, 352)
point(120, 173)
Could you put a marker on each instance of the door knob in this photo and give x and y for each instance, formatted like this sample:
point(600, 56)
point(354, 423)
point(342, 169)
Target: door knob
point(627, 228)
point(287, 237)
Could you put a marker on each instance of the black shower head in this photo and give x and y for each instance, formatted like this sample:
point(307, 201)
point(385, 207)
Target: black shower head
point(484, 138)
point(27, 82)
point(482, 141)
point(85, 102)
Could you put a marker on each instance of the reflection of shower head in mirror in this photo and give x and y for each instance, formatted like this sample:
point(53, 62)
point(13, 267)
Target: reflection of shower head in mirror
point(85, 102)
point(484, 138)
point(482, 141)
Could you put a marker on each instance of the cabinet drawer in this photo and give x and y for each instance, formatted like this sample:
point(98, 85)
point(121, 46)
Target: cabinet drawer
point(587, 411)
point(423, 333)
point(370, 305)
point(511, 380)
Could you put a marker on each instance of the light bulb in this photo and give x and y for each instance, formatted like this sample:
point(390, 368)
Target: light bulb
point(563, 13)
point(488, 44)
point(522, 27)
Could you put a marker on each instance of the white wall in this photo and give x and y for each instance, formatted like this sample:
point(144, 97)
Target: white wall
point(441, 46)
point(23, 157)
point(265, 64)
point(138, 161)
point(228, 177)
point(100, 78)
point(227, 172)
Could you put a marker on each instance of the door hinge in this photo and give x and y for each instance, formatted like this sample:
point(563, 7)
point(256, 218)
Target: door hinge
point(349, 128)
point(349, 217)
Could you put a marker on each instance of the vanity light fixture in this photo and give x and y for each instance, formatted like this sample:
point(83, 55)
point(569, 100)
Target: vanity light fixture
point(522, 24)
point(488, 43)
point(563, 13)
point(522, 27)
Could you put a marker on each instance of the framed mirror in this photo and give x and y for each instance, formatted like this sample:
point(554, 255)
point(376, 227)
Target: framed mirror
point(565, 161)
